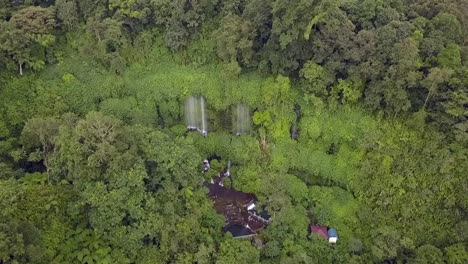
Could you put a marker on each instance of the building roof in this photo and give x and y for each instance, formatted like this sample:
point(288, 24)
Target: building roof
point(225, 195)
point(235, 205)
point(321, 230)
point(264, 214)
point(239, 231)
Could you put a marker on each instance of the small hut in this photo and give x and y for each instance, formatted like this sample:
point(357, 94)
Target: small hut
point(328, 233)
point(332, 236)
point(321, 230)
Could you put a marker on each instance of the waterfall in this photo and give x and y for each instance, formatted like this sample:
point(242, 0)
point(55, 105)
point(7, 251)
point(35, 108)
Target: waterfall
point(195, 114)
point(204, 128)
point(228, 168)
point(241, 119)
point(191, 113)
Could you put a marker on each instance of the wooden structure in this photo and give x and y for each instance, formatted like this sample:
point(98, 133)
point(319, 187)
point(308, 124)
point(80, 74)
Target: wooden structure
point(238, 208)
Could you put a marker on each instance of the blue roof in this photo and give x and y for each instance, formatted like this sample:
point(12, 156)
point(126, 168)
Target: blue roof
point(332, 233)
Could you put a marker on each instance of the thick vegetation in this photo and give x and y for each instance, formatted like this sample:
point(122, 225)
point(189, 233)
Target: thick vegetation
point(96, 165)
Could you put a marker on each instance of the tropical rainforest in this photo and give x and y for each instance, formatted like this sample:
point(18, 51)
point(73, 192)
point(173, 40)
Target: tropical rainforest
point(359, 113)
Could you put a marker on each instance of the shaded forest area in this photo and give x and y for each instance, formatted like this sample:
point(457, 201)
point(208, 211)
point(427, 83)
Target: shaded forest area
point(96, 164)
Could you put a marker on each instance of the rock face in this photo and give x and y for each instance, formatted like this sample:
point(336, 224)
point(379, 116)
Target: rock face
point(238, 208)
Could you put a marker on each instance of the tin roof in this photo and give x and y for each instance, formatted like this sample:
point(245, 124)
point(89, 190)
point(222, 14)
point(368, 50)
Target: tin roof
point(321, 230)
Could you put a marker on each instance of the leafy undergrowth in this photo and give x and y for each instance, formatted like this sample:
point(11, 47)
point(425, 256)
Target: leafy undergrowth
point(341, 172)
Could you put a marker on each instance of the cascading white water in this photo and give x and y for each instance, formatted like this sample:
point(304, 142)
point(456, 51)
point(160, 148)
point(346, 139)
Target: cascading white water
point(191, 112)
point(241, 120)
point(195, 114)
point(204, 128)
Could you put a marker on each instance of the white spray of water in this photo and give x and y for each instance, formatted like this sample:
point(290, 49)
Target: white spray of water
point(241, 119)
point(204, 128)
point(195, 114)
point(190, 112)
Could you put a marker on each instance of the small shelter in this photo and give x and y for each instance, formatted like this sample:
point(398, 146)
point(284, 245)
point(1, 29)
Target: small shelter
point(332, 235)
point(321, 230)
point(328, 233)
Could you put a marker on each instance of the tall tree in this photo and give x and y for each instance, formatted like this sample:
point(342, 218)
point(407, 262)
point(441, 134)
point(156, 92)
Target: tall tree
point(27, 35)
point(41, 133)
point(67, 13)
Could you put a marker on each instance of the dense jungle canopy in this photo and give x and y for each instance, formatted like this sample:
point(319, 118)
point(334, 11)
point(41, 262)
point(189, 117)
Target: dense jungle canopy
point(358, 112)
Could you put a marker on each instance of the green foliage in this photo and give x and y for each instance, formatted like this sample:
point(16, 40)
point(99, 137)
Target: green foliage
point(83, 246)
point(317, 76)
point(456, 253)
point(181, 19)
point(130, 9)
point(234, 40)
point(67, 13)
point(450, 57)
point(336, 208)
point(106, 42)
point(428, 254)
point(32, 221)
point(96, 165)
point(229, 252)
point(26, 36)
point(348, 91)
